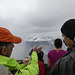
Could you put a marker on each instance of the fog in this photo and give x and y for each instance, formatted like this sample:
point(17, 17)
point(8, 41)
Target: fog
point(29, 18)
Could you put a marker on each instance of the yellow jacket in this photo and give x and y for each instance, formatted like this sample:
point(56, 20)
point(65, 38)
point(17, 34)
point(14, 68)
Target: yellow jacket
point(31, 69)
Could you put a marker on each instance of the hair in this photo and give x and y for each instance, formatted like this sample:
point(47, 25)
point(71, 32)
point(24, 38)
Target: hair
point(2, 44)
point(58, 43)
point(68, 29)
point(40, 55)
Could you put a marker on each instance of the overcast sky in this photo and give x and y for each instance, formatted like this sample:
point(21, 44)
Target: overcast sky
point(24, 17)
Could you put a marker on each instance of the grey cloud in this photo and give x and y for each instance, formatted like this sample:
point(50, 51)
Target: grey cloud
point(38, 16)
point(25, 17)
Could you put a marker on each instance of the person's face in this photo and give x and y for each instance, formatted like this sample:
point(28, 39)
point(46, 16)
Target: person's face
point(9, 49)
point(68, 42)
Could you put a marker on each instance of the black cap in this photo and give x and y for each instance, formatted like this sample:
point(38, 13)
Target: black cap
point(68, 29)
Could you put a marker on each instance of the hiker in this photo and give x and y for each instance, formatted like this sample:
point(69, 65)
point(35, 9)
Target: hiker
point(10, 65)
point(40, 62)
point(66, 64)
point(56, 53)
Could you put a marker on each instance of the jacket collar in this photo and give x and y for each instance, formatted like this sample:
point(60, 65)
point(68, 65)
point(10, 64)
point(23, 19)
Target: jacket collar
point(6, 61)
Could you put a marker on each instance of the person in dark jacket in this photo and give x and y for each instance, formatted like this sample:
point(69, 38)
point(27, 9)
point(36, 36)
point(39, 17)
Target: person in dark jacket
point(40, 62)
point(66, 64)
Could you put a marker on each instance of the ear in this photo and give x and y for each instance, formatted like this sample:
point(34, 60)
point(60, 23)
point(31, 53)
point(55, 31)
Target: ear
point(70, 40)
point(4, 50)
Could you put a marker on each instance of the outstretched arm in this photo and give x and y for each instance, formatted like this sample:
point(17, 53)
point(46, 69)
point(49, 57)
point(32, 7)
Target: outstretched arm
point(32, 68)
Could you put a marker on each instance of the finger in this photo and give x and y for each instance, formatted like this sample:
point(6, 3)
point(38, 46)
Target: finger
point(39, 49)
point(35, 47)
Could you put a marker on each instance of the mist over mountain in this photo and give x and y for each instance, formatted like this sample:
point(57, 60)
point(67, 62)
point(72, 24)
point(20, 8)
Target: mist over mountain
point(43, 36)
point(46, 47)
point(47, 44)
point(44, 40)
point(35, 21)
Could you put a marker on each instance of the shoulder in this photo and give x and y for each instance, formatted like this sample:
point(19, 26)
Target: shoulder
point(64, 51)
point(67, 58)
point(51, 51)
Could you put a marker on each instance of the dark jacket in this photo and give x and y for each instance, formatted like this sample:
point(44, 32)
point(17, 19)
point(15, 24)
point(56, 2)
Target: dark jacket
point(65, 65)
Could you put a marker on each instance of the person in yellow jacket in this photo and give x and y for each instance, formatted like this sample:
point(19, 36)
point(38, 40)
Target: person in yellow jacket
point(7, 40)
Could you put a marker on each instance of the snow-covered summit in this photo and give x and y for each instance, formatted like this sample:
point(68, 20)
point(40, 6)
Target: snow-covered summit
point(42, 36)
